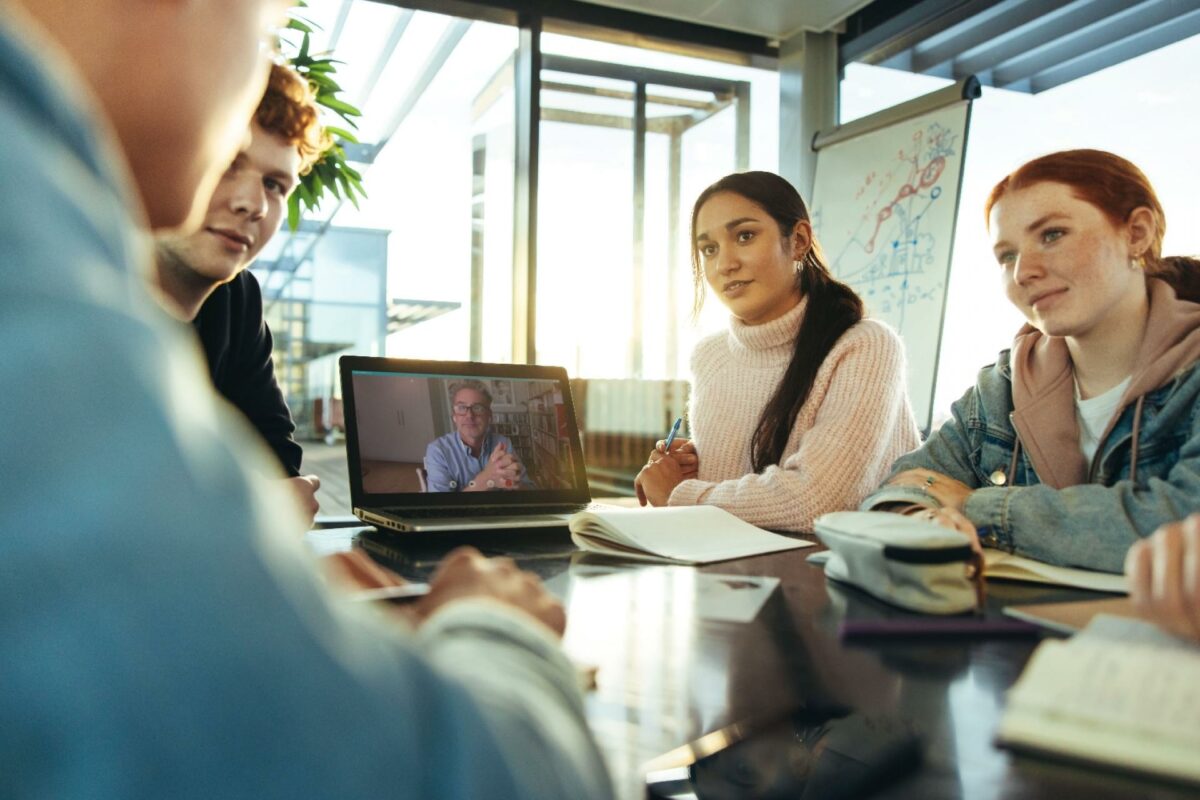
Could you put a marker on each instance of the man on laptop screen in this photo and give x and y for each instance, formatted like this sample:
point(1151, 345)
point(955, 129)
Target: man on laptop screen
point(473, 457)
point(442, 445)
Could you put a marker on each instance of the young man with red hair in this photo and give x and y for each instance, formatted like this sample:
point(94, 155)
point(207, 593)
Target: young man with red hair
point(204, 274)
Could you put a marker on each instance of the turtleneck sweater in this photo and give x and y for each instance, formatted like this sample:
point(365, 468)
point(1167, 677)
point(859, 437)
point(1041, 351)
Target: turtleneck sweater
point(855, 422)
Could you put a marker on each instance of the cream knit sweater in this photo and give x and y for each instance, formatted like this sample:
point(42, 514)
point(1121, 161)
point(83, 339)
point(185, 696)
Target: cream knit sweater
point(854, 424)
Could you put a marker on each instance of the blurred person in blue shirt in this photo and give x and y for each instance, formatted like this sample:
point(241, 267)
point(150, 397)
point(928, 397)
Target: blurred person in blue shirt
point(162, 631)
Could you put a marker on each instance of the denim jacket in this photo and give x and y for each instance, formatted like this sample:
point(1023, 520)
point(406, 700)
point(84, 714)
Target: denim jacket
point(1091, 518)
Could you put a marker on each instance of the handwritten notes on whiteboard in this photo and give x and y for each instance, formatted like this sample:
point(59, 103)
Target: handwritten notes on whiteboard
point(884, 207)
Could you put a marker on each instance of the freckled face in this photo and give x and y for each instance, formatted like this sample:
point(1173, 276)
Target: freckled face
point(747, 263)
point(1064, 264)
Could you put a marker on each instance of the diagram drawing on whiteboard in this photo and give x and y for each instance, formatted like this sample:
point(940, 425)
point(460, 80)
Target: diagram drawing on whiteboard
point(884, 207)
point(890, 255)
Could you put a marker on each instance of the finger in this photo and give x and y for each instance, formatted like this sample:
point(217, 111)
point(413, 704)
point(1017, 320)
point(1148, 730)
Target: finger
point(1166, 582)
point(314, 480)
point(1138, 564)
point(660, 446)
point(1191, 574)
point(637, 488)
point(496, 451)
point(457, 558)
point(687, 446)
point(503, 564)
point(655, 455)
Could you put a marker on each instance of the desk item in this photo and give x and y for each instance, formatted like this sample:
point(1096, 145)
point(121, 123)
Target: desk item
point(909, 562)
point(1121, 693)
point(934, 627)
point(732, 598)
point(671, 434)
point(807, 754)
point(1007, 566)
point(1070, 618)
point(396, 409)
point(676, 534)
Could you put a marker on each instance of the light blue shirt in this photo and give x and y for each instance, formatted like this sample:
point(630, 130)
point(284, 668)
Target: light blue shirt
point(161, 632)
point(450, 466)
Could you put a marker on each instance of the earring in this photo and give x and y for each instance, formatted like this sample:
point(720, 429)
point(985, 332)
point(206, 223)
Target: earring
point(1138, 263)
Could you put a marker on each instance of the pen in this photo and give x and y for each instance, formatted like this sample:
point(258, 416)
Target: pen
point(671, 435)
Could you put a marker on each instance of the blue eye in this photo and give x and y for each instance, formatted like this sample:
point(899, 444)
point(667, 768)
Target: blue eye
point(1052, 234)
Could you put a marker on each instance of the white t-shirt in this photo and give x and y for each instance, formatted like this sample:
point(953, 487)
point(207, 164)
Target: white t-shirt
point(1094, 414)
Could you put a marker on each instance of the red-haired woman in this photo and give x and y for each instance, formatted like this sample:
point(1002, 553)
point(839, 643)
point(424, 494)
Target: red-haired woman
point(1084, 437)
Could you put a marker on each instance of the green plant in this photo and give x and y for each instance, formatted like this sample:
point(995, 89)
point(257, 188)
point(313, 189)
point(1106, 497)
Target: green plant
point(332, 173)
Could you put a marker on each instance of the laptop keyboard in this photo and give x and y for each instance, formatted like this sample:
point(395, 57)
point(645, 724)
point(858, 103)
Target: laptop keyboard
point(490, 511)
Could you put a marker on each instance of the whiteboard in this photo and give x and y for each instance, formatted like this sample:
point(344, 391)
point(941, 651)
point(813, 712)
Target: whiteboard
point(884, 206)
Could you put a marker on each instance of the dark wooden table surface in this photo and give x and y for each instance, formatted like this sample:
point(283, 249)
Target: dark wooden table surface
point(666, 676)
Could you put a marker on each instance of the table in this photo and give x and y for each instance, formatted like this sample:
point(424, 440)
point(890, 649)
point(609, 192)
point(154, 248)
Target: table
point(665, 676)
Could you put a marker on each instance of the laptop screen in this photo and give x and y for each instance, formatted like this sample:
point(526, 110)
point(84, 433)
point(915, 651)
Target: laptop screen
point(430, 433)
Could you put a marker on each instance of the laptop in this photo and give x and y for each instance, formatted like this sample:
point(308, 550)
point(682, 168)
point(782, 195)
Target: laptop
point(446, 446)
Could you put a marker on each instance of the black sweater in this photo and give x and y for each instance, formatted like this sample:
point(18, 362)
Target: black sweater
point(237, 343)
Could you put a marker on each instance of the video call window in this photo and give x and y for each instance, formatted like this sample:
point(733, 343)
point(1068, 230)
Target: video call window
point(422, 433)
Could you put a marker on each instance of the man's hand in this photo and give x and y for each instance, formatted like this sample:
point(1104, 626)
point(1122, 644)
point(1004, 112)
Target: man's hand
point(304, 488)
point(465, 573)
point(503, 471)
point(1164, 577)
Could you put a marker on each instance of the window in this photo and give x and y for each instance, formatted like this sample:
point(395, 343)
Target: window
point(1143, 109)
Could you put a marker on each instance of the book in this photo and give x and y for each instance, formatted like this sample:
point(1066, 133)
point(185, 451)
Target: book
point(1007, 566)
point(675, 534)
point(1121, 693)
point(1071, 617)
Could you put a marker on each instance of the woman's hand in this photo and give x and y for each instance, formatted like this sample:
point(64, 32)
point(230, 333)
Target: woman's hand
point(951, 493)
point(1164, 577)
point(684, 453)
point(954, 519)
point(686, 466)
point(657, 480)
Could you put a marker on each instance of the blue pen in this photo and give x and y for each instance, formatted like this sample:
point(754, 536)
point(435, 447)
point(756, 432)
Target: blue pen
point(671, 435)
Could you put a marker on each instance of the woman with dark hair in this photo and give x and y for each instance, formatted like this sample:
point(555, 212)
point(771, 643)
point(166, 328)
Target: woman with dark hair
point(1084, 437)
point(800, 407)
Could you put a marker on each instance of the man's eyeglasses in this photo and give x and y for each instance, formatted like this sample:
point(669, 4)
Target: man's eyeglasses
point(476, 409)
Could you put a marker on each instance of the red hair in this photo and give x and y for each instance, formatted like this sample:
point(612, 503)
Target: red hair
point(1107, 181)
point(288, 109)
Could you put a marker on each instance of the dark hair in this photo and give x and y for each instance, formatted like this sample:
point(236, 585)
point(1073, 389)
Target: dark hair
point(1107, 181)
point(833, 307)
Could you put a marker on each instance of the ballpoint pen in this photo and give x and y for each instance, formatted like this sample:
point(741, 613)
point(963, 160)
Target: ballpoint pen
point(671, 435)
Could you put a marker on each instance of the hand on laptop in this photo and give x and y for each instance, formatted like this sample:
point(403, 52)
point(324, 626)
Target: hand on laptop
point(1164, 577)
point(304, 488)
point(503, 471)
point(465, 573)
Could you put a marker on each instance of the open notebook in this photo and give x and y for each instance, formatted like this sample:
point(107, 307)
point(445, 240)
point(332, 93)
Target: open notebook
point(677, 534)
point(1006, 566)
point(1120, 693)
